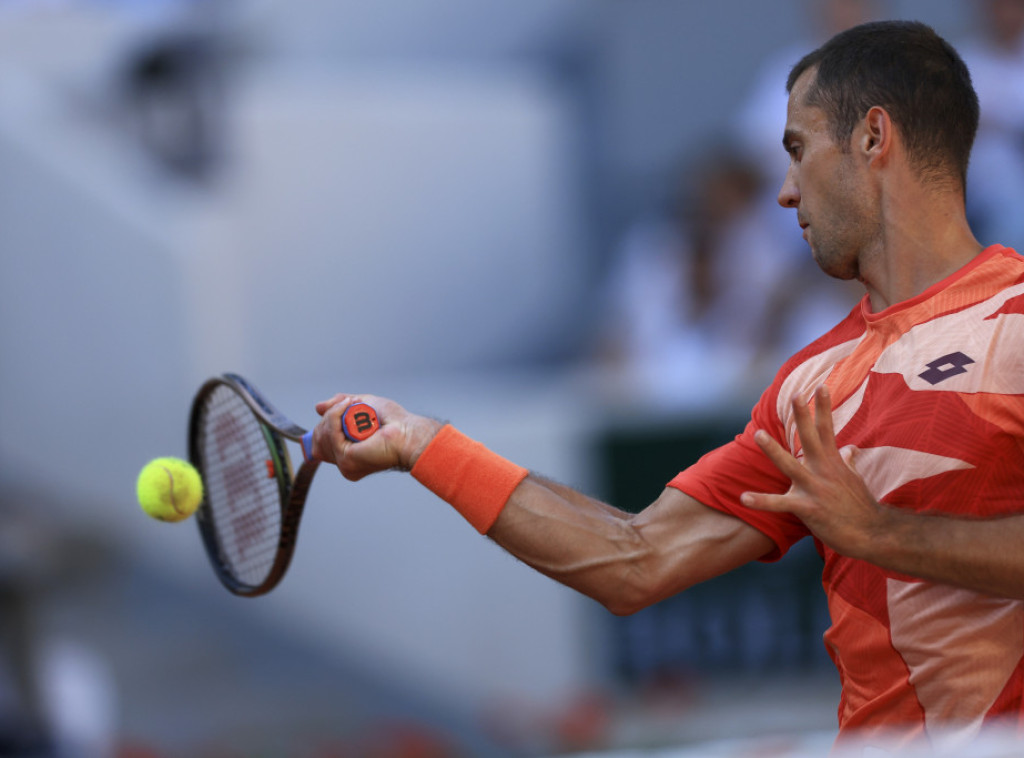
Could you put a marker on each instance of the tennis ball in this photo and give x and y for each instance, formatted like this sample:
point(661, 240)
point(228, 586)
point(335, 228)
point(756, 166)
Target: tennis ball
point(169, 489)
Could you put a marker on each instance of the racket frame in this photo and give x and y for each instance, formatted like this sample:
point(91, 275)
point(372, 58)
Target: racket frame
point(293, 490)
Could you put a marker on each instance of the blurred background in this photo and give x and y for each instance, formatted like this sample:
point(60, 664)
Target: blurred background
point(549, 221)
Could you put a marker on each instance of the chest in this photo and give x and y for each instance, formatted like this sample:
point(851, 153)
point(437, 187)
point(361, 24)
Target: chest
point(934, 411)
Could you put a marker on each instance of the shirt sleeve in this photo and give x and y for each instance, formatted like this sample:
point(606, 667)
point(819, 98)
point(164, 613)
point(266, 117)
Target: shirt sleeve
point(719, 478)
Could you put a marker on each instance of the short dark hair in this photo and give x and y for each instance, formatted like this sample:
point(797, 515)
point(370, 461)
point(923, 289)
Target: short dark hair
point(912, 72)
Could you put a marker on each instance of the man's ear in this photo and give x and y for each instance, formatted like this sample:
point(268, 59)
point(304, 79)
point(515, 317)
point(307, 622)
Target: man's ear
point(878, 133)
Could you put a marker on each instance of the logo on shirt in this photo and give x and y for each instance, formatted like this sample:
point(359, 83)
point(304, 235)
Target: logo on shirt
point(948, 365)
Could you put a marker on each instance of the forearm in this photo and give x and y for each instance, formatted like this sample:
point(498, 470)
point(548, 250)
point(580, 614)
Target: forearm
point(577, 540)
point(580, 542)
point(624, 561)
point(577, 497)
point(983, 555)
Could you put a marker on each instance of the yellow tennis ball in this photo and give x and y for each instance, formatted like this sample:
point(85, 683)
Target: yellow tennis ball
point(169, 489)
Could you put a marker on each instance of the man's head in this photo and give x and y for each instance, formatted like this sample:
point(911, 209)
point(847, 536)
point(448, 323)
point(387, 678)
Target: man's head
point(911, 72)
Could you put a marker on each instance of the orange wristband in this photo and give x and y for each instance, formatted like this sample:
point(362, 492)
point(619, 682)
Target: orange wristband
point(474, 480)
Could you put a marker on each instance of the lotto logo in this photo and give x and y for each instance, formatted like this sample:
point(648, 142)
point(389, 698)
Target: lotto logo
point(948, 365)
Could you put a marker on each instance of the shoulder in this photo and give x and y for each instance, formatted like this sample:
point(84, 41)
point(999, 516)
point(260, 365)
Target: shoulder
point(809, 367)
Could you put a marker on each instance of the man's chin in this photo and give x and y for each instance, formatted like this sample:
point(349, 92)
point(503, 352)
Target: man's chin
point(837, 269)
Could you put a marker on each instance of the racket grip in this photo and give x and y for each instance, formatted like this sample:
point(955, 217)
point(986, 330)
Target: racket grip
point(359, 422)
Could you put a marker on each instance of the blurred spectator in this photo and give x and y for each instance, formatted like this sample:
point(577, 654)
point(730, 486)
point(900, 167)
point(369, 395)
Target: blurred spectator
point(714, 282)
point(762, 116)
point(57, 696)
point(174, 87)
point(695, 288)
point(757, 128)
point(995, 186)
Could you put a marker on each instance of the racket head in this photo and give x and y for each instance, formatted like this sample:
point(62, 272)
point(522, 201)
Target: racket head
point(251, 505)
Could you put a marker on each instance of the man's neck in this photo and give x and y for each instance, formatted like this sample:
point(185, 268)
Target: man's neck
point(921, 244)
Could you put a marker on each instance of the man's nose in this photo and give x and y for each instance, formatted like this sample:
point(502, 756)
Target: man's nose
point(789, 193)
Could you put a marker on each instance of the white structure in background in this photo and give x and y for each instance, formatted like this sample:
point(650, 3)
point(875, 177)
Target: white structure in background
point(375, 225)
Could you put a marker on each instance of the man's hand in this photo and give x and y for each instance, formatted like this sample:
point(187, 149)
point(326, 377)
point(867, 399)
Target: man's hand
point(396, 445)
point(827, 493)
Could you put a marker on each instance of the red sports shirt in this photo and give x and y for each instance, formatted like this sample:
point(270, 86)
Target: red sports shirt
point(931, 394)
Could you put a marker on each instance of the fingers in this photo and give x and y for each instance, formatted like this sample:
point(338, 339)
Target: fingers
point(817, 440)
point(815, 431)
point(386, 448)
point(335, 407)
point(765, 502)
point(805, 429)
point(826, 492)
point(324, 405)
point(782, 458)
point(823, 419)
point(330, 444)
point(787, 464)
point(846, 453)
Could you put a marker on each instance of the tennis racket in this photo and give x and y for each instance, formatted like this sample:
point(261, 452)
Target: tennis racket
point(252, 504)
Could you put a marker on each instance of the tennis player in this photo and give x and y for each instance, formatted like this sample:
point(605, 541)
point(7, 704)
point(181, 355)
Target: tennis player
point(895, 441)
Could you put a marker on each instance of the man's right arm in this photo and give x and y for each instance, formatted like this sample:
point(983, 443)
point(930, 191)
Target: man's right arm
point(624, 561)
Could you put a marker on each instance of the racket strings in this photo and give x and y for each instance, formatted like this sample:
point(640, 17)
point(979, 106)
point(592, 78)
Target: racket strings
point(242, 494)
